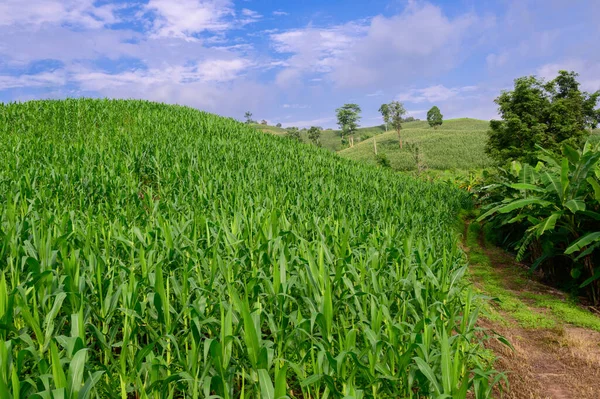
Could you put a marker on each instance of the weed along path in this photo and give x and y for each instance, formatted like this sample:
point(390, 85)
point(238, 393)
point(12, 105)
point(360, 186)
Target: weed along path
point(555, 343)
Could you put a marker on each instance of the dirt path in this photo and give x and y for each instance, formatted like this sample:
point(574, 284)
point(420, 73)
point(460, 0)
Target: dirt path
point(552, 357)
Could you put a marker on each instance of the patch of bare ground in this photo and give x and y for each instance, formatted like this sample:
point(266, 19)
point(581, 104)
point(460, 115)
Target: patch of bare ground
point(547, 364)
point(544, 363)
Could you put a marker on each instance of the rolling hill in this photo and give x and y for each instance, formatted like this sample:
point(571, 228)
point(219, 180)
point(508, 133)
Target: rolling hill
point(149, 250)
point(457, 144)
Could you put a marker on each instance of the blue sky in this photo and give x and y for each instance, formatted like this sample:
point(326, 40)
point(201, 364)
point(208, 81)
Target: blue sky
point(294, 62)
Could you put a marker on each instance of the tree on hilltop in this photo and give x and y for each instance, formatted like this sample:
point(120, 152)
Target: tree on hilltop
point(293, 133)
point(384, 110)
point(314, 135)
point(435, 117)
point(248, 116)
point(348, 117)
point(397, 111)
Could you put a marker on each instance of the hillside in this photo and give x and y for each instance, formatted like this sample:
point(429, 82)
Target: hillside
point(149, 250)
point(269, 129)
point(457, 144)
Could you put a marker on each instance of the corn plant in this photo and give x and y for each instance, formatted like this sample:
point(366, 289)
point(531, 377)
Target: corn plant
point(154, 251)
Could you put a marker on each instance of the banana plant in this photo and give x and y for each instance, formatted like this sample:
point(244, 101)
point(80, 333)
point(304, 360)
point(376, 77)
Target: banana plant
point(558, 202)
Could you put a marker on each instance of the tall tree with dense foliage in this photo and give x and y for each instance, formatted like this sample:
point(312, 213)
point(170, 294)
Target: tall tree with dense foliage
point(314, 135)
point(542, 113)
point(397, 111)
point(348, 117)
point(384, 110)
point(435, 117)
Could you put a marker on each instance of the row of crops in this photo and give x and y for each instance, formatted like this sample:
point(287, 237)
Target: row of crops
point(154, 251)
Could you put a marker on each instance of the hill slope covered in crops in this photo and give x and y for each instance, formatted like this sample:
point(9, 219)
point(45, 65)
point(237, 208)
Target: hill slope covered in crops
point(457, 144)
point(148, 249)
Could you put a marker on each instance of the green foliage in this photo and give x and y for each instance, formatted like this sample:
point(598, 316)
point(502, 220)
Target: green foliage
point(457, 144)
point(157, 251)
point(348, 117)
point(384, 110)
point(382, 160)
point(397, 111)
point(541, 113)
point(314, 134)
point(293, 133)
point(556, 207)
point(248, 117)
point(434, 117)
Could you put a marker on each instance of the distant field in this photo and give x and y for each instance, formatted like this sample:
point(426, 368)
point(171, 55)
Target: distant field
point(457, 144)
point(269, 129)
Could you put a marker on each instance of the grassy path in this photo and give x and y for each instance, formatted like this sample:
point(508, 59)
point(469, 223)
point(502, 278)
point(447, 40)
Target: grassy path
point(555, 343)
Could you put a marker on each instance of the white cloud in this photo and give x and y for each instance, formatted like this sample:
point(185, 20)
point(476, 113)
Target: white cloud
point(209, 71)
point(296, 106)
point(279, 13)
point(497, 60)
point(313, 50)
point(378, 93)
point(37, 12)
point(435, 94)
point(45, 79)
point(311, 122)
point(420, 40)
point(589, 72)
point(184, 18)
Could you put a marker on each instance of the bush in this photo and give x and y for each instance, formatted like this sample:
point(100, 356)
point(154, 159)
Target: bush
point(382, 160)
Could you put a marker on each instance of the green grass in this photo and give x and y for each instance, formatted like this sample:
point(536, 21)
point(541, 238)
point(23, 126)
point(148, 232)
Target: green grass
point(457, 144)
point(522, 305)
point(278, 131)
point(157, 251)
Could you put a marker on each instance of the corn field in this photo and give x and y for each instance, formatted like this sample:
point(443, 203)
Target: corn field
point(155, 251)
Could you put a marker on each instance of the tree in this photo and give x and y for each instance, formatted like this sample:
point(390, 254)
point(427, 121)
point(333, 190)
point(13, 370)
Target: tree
point(263, 122)
point(348, 117)
point(293, 133)
point(248, 116)
point(397, 111)
point(384, 110)
point(435, 117)
point(547, 114)
point(278, 125)
point(314, 135)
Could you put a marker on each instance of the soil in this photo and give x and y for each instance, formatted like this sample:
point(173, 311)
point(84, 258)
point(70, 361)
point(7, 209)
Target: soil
point(563, 362)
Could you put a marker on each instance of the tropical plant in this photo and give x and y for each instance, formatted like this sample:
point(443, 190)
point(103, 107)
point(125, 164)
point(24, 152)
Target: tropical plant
point(556, 206)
